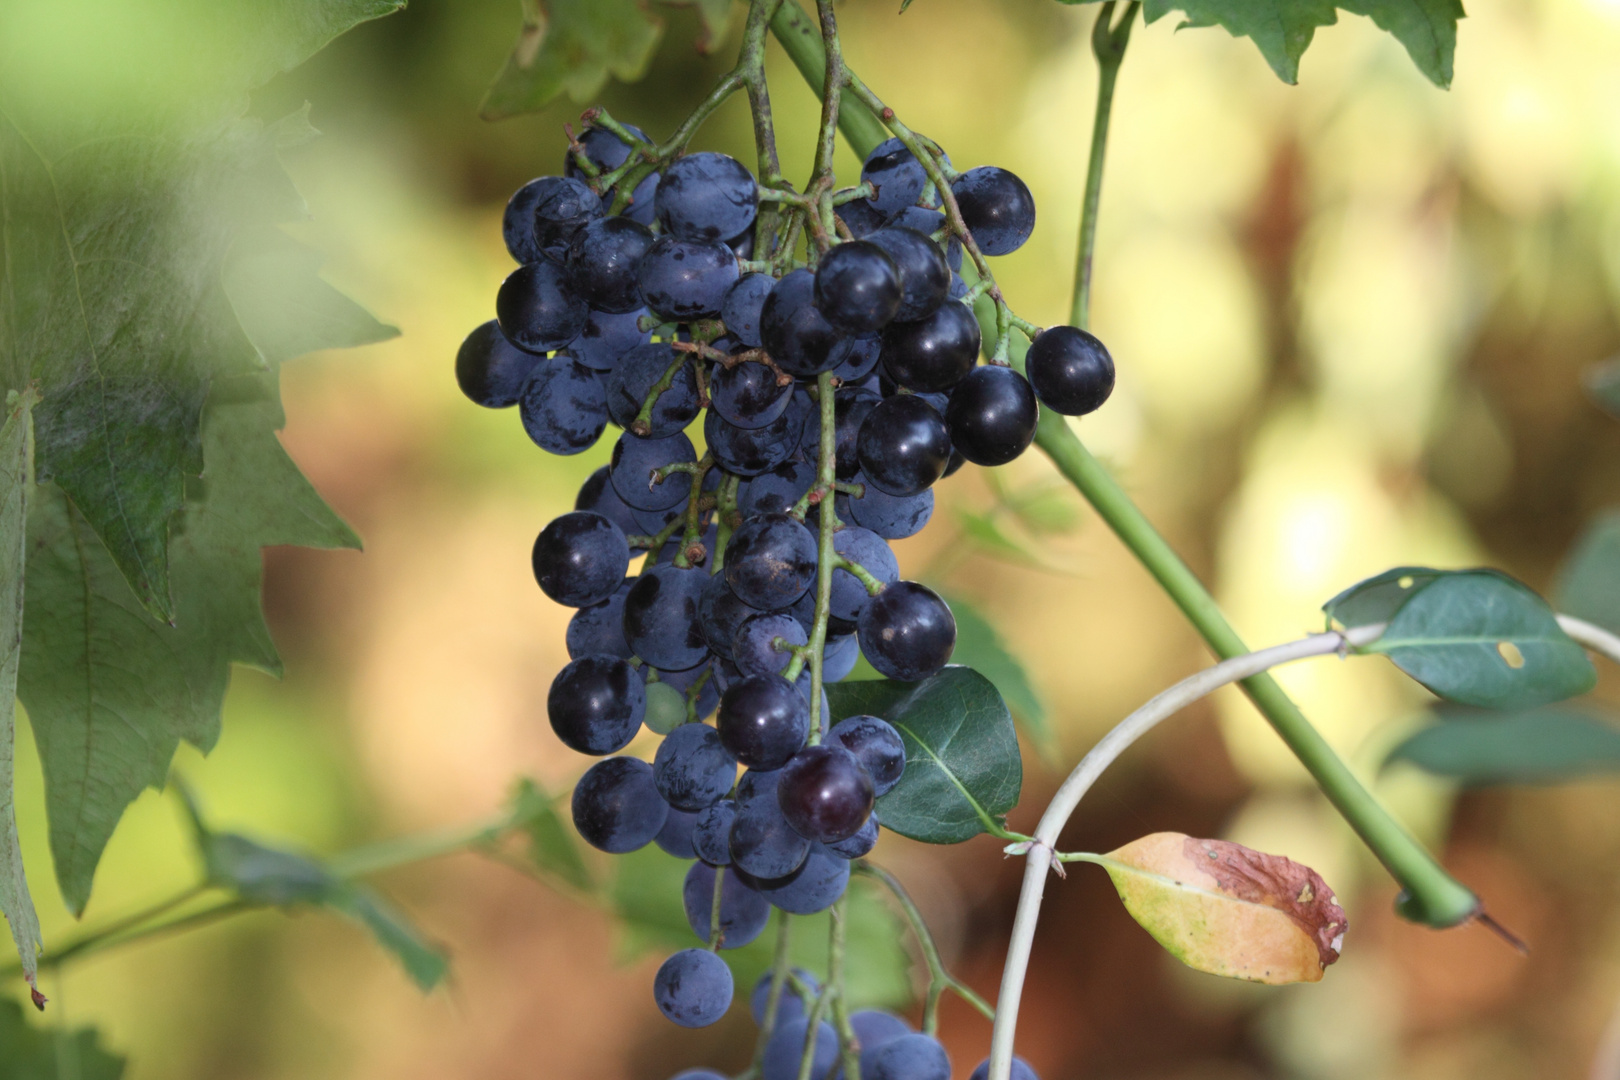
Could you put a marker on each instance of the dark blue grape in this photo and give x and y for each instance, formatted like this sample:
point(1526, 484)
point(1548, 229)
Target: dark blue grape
point(596, 703)
point(675, 838)
point(838, 656)
point(903, 446)
point(996, 207)
point(824, 793)
point(563, 407)
point(860, 217)
point(538, 310)
point(600, 627)
point(1070, 371)
point(616, 806)
point(850, 408)
point(763, 844)
point(753, 647)
point(636, 459)
point(490, 370)
point(748, 395)
point(751, 451)
point(683, 280)
point(867, 549)
point(860, 356)
point(661, 617)
point(909, 1057)
point(602, 262)
point(934, 353)
point(693, 988)
point(517, 224)
point(789, 1005)
point(1020, 1070)
point(634, 377)
point(607, 337)
point(795, 332)
point(814, 886)
point(711, 835)
point(992, 415)
point(857, 287)
point(907, 632)
point(925, 277)
point(740, 310)
point(743, 912)
point(607, 152)
point(778, 490)
point(864, 840)
point(785, 1050)
point(771, 561)
point(597, 494)
point(890, 517)
point(929, 222)
point(876, 745)
point(898, 177)
point(763, 720)
point(721, 613)
point(706, 196)
point(580, 558)
point(562, 207)
point(873, 1028)
point(692, 770)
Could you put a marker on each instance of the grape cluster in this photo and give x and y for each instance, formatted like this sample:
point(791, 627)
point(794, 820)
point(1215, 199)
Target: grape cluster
point(854, 379)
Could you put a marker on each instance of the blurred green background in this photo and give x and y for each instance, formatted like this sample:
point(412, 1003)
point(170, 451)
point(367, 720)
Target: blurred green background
point(1351, 320)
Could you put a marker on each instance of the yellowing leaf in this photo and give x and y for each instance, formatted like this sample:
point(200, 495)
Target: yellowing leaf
point(1225, 909)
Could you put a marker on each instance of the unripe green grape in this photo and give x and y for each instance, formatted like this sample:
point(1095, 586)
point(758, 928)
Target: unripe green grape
point(666, 708)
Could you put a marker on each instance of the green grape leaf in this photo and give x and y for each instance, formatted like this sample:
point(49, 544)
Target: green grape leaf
point(963, 770)
point(552, 846)
point(571, 46)
point(16, 483)
point(1377, 599)
point(110, 690)
point(1589, 585)
point(980, 647)
point(30, 1053)
point(1479, 637)
point(1546, 745)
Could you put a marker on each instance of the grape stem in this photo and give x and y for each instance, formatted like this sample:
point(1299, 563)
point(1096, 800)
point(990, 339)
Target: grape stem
point(826, 476)
point(716, 936)
point(642, 424)
point(779, 977)
point(692, 537)
point(848, 1044)
point(1108, 43)
point(872, 585)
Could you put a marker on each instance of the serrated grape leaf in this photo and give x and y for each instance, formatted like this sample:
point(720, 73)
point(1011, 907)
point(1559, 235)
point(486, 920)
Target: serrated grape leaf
point(1377, 599)
point(980, 647)
point(963, 770)
point(109, 689)
point(1481, 638)
point(1229, 910)
point(30, 1053)
point(552, 847)
point(16, 483)
point(126, 178)
point(572, 46)
point(1545, 745)
point(1589, 585)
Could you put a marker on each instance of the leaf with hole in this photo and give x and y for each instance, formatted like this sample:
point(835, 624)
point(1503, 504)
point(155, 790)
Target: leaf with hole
point(1225, 909)
point(1481, 638)
point(963, 770)
point(1377, 599)
point(1543, 746)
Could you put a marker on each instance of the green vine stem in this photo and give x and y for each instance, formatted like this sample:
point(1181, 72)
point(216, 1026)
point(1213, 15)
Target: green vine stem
point(848, 1044)
point(939, 979)
point(1108, 44)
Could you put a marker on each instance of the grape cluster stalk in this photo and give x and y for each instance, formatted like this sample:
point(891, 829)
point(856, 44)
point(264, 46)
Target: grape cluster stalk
point(825, 341)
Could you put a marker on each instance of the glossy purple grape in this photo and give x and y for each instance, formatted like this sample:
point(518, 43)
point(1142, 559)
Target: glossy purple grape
point(563, 406)
point(992, 415)
point(864, 840)
point(860, 358)
point(748, 395)
point(661, 617)
point(596, 703)
point(580, 558)
point(925, 277)
point(751, 451)
point(996, 207)
point(770, 561)
point(693, 988)
point(1070, 371)
point(616, 807)
point(890, 517)
point(850, 407)
point(562, 207)
point(857, 287)
point(779, 489)
point(825, 794)
point(634, 377)
point(490, 370)
point(763, 721)
point(907, 632)
point(794, 331)
point(934, 353)
point(682, 280)
point(876, 745)
point(743, 912)
point(602, 261)
point(706, 196)
point(538, 309)
point(692, 770)
point(903, 446)
point(634, 462)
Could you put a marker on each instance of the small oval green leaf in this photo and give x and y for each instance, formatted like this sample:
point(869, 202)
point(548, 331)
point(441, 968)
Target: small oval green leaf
point(1539, 747)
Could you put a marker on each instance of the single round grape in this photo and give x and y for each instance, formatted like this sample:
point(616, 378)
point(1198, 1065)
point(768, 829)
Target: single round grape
point(903, 446)
point(740, 310)
point(517, 224)
point(1020, 1070)
point(597, 494)
point(720, 613)
point(956, 462)
point(602, 262)
point(763, 720)
point(748, 395)
point(753, 645)
point(743, 912)
point(907, 632)
point(675, 838)
point(838, 656)
point(770, 561)
point(789, 1004)
point(1070, 370)
point(706, 196)
point(616, 806)
point(490, 370)
point(992, 415)
point(563, 407)
point(868, 550)
point(925, 277)
point(876, 745)
point(596, 704)
point(599, 629)
point(795, 333)
point(683, 280)
point(778, 490)
point(854, 847)
point(562, 207)
point(873, 1028)
point(850, 408)
point(860, 216)
point(934, 353)
point(996, 207)
point(859, 357)
point(661, 617)
point(538, 310)
point(634, 377)
point(693, 988)
point(751, 451)
point(711, 835)
point(607, 337)
point(813, 887)
point(666, 708)
point(634, 461)
point(890, 517)
point(607, 152)
point(929, 222)
point(898, 177)
point(692, 770)
point(580, 558)
point(824, 793)
point(858, 287)
point(910, 1057)
point(785, 1050)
